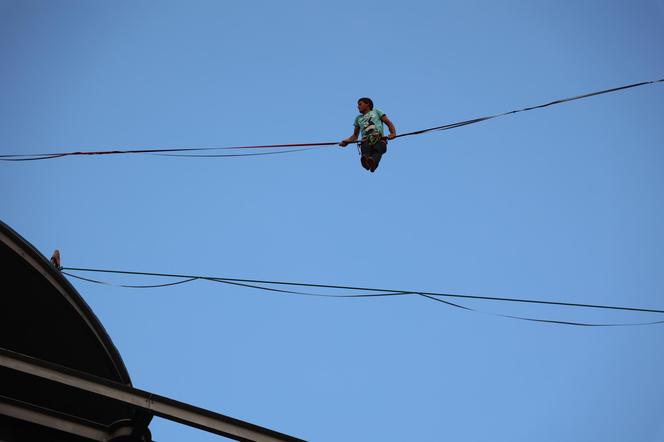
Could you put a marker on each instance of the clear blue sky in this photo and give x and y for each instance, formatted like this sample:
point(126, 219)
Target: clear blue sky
point(563, 203)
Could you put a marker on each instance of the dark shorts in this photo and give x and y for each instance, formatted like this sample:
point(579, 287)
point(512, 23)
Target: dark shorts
point(374, 151)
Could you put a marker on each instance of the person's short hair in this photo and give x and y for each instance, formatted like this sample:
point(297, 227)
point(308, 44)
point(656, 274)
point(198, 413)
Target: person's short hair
point(367, 100)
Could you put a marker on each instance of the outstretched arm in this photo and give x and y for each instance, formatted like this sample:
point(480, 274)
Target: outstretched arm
point(390, 125)
point(352, 138)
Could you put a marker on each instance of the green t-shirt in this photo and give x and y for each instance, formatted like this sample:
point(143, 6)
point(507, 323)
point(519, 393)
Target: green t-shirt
point(370, 122)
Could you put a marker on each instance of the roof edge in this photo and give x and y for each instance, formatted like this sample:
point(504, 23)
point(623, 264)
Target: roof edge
point(53, 275)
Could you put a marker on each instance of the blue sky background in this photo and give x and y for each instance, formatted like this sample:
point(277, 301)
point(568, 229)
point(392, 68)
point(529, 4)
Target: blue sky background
point(556, 204)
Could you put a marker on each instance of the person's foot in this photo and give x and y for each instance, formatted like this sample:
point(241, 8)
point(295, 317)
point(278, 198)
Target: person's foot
point(364, 160)
point(371, 164)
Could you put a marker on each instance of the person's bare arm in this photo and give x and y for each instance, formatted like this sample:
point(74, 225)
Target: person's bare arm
point(390, 125)
point(352, 138)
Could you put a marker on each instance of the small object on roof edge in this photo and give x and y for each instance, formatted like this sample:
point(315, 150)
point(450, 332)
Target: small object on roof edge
point(55, 259)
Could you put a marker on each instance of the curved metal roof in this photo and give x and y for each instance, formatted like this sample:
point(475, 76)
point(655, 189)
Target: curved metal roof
point(50, 344)
point(45, 317)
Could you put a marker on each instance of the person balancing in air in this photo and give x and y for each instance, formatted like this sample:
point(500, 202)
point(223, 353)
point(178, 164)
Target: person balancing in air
point(370, 124)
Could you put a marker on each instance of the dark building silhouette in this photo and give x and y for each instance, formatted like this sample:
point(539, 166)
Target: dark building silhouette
point(42, 316)
point(61, 377)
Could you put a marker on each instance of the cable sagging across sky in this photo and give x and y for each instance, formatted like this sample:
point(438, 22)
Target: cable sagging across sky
point(366, 292)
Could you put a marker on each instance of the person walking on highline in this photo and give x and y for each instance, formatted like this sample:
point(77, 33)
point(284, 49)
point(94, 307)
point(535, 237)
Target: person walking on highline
point(370, 124)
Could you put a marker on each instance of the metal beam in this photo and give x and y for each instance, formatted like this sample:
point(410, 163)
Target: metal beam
point(53, 419)
point(125, 430)
point(142, 400)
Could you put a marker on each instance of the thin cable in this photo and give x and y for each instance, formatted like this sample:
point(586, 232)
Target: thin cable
point(186, 280)
point(96, 281)
point(28, 157)
point(229, 154)
point(546, 321)
point(369, 289)
point(171, 151)
point(292, 292)
point(526, 109)
point(384, 293)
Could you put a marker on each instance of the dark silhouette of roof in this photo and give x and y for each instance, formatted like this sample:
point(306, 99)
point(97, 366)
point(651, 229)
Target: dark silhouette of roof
point(61, 377)
point(43, 316)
